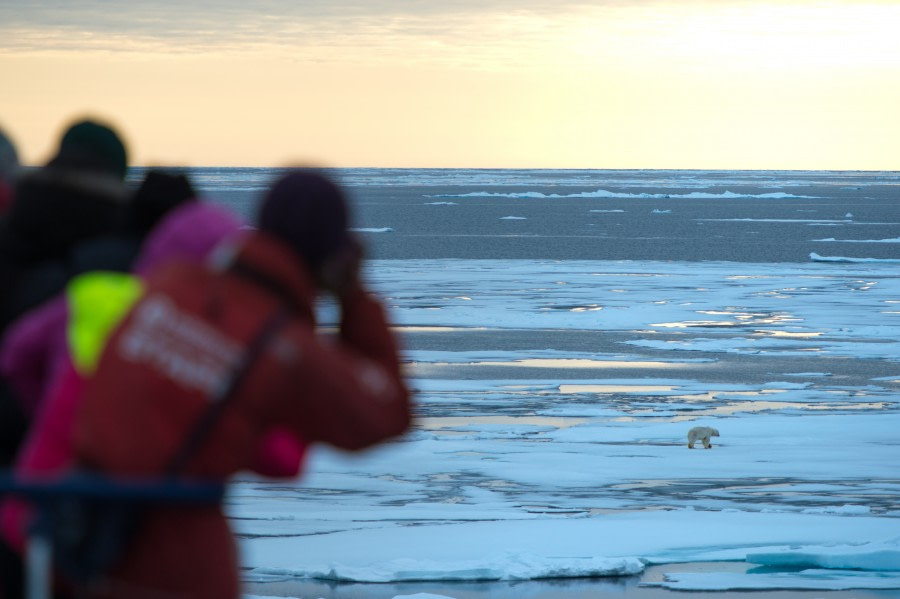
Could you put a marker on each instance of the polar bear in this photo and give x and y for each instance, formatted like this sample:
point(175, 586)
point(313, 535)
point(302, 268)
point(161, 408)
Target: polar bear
point(701, 433)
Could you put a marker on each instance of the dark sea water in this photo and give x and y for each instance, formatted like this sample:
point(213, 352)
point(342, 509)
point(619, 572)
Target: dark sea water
point(741, 216)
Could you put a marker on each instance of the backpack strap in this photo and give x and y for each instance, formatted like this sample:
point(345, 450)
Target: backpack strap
point(208, 419)
point(262, 279)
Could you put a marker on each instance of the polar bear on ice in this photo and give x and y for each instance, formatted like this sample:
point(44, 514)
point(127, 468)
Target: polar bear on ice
point(701, 433)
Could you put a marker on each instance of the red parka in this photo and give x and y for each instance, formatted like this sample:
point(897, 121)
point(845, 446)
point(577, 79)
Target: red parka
point(181, 342)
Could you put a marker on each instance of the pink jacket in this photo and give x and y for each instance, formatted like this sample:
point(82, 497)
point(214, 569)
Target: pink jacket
point(35, 351)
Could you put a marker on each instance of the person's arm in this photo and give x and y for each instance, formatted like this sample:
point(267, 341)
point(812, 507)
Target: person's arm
point(349, 391)
point(27, 355)
point(359, 397)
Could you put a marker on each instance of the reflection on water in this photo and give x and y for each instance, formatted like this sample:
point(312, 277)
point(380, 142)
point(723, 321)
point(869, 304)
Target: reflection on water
point(445, 422)
point(433, 329)
point(720, 395)
point(771, 333)
point(694, 323)
point(662, 406)
point(589, 388)
point(573, 307)
point(785, 493)
point(747, 407)
point(572, 363)
point(738, 319)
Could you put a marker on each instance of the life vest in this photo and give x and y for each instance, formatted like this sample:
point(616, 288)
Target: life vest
point(97, 302)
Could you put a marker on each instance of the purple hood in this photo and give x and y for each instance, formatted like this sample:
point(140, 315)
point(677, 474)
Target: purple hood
point(188, 232)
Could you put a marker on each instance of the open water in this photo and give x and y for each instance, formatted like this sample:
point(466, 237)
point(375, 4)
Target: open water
point(740, 216)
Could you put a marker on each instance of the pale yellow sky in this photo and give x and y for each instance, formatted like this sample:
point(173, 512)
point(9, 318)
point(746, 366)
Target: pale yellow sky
point(462, 83)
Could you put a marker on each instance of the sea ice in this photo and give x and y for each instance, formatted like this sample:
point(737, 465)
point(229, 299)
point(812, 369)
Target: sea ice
point(817, 258)
point(602, 193)
point(576, 474)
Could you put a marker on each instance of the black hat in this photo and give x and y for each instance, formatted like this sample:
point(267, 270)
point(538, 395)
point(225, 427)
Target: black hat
point(93, 146)
point(159, 192)
point(307, 211)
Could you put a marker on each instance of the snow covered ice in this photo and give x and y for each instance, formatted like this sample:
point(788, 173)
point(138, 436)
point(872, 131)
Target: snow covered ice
point(528, 462)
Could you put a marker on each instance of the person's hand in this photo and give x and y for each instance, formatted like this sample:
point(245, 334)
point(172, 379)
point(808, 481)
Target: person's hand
point(339, 273)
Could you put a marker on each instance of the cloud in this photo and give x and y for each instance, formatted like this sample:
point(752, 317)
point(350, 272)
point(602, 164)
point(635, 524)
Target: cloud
point(217, 25)
point(635, 36)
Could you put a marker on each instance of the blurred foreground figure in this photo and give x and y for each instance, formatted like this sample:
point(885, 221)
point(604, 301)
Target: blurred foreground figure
point(69, 332)
point(9, 165)
point(12, 420)
point(50, 351)
point(35, 347)
point(187, 337)
point(158, 194)
point(78, 195)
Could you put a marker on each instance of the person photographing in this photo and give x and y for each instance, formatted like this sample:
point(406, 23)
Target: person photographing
point(237, 339)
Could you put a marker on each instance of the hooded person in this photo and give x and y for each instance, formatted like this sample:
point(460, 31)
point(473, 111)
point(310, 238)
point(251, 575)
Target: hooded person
point(182, 343)
point(36, 355)
point(94, 148)
point(78, 195)
point(37, 345)
point(159, 192)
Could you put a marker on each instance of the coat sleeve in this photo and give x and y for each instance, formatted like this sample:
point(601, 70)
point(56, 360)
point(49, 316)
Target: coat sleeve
point(349, 392)
point(31, 349)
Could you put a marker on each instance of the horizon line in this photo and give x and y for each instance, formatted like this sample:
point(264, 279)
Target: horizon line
point(512, 168)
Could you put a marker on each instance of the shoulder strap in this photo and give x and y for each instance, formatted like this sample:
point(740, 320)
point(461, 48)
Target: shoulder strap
point(222, 397)
point(261, 279)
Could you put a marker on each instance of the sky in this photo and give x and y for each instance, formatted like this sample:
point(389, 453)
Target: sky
point(461, 83)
